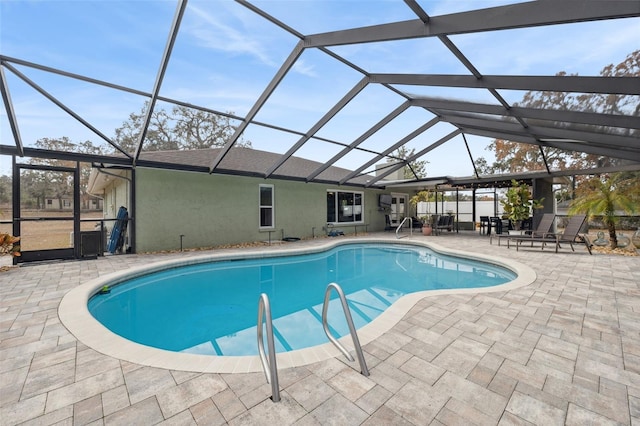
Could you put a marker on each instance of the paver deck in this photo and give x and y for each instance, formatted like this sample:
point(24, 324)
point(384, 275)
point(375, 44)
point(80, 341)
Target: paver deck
point(563, 350)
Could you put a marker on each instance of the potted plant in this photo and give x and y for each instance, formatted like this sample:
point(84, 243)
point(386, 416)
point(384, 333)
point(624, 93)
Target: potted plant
point(519, 203)
point(9, 245)
point(427, 229)
point(426, 220)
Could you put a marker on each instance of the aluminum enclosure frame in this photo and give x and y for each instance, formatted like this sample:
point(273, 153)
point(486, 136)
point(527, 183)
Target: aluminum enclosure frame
point(541, 127)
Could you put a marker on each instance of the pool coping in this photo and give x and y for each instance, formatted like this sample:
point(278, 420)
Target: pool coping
point(75, 316)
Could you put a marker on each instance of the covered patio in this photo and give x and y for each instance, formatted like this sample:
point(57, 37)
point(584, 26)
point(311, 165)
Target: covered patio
point(563, 350)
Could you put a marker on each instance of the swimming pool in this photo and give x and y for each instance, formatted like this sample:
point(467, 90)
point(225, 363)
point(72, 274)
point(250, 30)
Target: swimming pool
point(211, 308)
point(388, 303)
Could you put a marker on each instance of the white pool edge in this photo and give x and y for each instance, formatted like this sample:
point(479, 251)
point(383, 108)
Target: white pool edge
point(74, 313)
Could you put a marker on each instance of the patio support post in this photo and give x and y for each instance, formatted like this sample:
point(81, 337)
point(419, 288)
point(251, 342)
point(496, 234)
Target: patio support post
point(132, 217)
point(457, 210)
point(15, 217)
point(473, 208)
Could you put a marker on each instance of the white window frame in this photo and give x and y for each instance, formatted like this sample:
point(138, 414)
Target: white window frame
point(353, 213)
point(271, 207)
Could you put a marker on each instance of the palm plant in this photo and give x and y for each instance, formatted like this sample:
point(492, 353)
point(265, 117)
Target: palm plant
point(605, 196)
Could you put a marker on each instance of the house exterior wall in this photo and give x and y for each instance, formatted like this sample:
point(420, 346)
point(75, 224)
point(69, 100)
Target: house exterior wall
point(94, 204)
point(58, 204)
point(115, 195)
point(67, 204)
point(212, 210)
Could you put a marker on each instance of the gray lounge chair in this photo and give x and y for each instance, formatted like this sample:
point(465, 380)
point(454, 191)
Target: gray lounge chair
point(570, 235)
point(543, 229)
point(443, 222)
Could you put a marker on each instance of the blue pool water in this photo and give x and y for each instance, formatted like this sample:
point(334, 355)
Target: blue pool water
point(212, 308)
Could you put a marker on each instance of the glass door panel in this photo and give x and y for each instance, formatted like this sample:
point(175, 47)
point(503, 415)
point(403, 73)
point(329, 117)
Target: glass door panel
point(398, 210)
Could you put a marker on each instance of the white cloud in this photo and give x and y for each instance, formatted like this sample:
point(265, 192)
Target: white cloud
point(303, 68)
point(583, 48)
point(617, 43)
point(214, 34)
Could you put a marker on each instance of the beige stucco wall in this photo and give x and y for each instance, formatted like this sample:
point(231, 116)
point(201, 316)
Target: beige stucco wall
point(115, 195)
point(211, 210)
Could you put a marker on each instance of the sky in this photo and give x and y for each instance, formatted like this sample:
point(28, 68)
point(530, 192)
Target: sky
point(225, 55)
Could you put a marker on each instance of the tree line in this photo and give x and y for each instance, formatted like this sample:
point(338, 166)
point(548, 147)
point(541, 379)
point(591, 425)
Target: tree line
point(180, 128)
point(513, 157)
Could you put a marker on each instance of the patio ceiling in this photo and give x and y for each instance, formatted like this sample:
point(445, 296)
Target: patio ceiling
point(412, 111)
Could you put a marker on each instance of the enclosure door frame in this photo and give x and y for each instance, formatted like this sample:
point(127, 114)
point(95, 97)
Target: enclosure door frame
point(49, 254)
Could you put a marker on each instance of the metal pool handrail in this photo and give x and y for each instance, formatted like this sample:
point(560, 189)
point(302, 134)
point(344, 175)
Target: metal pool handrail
point(400, 227)
point(268, 364)
point(352, 329)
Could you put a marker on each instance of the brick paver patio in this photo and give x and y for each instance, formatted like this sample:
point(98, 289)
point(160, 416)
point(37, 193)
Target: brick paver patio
point(563, 350)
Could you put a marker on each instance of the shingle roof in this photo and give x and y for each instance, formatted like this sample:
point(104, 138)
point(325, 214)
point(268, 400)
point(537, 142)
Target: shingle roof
point(252, 162)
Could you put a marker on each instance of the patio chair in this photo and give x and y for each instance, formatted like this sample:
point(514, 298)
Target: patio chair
point(543, 229)
point(570, 235)
point(484, 224)
point(435, 218)
point(387, 223)
point(498, 225)
point(416, 223)
point(444, 222)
